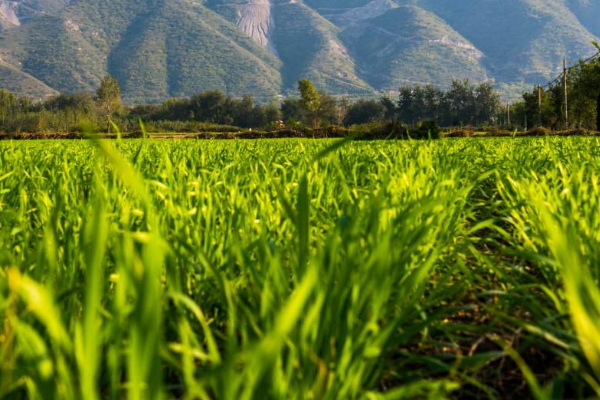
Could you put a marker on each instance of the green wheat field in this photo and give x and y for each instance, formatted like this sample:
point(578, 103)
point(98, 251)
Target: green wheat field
point(300, 269)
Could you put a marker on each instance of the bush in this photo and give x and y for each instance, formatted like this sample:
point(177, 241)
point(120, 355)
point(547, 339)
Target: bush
point(85, 125)
point(390, 130)
point(426, 130)
point(577, 132)
point(395, 130)
point(182, 126)
point(539, 131)
point(272, 127)
point(334, 131)
point(460, 133)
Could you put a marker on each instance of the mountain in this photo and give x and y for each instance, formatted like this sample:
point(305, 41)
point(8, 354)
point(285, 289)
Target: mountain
point(156, 49)
point(398, 45)
point(17, 12)
point(307, 44)
point(522, 39)
point(172, 48)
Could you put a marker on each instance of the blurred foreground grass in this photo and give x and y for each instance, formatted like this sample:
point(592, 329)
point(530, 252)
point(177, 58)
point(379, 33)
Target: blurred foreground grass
point(300, 269)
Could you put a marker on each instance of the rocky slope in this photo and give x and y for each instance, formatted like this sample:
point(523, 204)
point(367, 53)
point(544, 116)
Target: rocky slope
point(16, 12)
point(164, 48)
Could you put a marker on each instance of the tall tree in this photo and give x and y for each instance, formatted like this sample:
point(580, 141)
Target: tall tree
point(272, 112)
point(311, 101)
point(8, 105)
point(212, 106)
point(598, 100)
point(291, 110)
point(245, 114)
point(598, 112)
point(487, 103)
point(328, 109)
point(419, 111)
point(343, 106)
point(364, 111)
point(406, 105)
point(108, 98)
point(390, 108)
point(433, 99)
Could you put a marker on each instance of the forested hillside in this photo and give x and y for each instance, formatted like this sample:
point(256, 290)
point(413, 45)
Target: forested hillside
point(159, 49)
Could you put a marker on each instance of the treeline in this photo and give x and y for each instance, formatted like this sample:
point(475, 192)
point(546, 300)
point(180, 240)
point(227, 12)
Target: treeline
point(211, 107)
point(63, 113)
point(312, 109)
point(462, 104)
point(545, 107)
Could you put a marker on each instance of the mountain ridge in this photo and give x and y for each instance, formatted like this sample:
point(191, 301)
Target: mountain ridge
point(175, 48)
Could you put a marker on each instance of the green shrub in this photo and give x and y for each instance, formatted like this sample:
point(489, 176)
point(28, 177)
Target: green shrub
point(426, 130)
point(85, 125)
point(389, 130)
point(539, 131)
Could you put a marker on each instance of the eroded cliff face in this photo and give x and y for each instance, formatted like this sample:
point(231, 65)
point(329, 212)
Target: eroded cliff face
point(16, 12)
point(8, 12)
point(255, 18)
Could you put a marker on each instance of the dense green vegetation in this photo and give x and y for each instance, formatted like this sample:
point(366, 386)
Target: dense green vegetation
point(546, 107)
point(463, 104)
point(459, 269)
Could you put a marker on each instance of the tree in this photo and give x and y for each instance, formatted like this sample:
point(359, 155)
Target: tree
point(265, 115)
point(598, 99)
point(419, 105)
point(212, 106)
point(533, 111)
point(364, 111)
point(584, 85)
point(343, 106)
point(8, 105)
point(328, 109)
point(291, 109)
point(433, 100)
point(108, 98)
point(487, 103)
point(310, 100)
point(461, 103)
point(405, 105)
point(390, 108)
point(71, 109)
point(598, 112)
point(245, 114)
point(176, 109)
point(272, 112)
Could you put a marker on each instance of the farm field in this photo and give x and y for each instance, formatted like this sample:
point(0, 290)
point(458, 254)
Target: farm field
point(300, 269)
